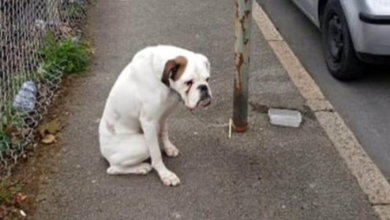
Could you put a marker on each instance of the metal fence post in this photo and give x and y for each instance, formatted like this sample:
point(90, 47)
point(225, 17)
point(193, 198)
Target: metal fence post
point(243, 28)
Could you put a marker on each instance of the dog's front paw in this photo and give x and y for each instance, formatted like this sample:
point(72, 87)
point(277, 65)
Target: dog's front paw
point(171, 151)
point(170, 179)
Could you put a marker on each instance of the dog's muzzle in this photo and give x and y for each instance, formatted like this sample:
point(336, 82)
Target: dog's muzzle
point(205, 98)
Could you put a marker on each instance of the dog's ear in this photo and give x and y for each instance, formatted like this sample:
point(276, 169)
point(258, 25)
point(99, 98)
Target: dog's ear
point(173, 69)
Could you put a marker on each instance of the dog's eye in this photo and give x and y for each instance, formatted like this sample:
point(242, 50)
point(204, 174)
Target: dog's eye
point(208, 78)
point(189, 83)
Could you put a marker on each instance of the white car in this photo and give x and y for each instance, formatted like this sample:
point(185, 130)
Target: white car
point(354, 32)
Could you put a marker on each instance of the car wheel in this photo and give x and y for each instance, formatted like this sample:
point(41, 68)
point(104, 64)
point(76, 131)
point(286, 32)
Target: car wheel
point(340, 55)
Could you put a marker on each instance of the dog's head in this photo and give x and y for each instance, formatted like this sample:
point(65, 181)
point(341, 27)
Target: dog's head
point(189, 76)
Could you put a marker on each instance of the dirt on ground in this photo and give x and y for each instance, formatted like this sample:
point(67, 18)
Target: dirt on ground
point(39, 163)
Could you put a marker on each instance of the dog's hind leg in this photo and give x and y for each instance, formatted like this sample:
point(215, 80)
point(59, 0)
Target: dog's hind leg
point(142, 168)
point(127, 156)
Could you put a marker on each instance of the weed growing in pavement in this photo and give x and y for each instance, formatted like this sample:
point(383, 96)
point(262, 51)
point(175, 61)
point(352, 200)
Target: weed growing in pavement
point(60, 57)
point(63, 56)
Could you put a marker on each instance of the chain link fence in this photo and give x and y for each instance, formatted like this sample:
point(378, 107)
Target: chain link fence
point(26, 87)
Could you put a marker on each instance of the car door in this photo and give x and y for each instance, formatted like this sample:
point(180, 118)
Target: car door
point(309, 7)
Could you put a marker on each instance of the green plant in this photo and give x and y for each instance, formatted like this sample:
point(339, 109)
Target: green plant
point(11, 123)
point(10, 193)
point(63, 56)
point(5, 192)
point(16, 81)
point(74, 10)
point(4, 141)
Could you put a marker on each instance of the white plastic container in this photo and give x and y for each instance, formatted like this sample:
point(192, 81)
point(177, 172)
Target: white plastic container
point(283, 117)
point(26, 98)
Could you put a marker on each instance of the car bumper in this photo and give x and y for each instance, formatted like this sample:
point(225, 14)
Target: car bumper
point(373, 37)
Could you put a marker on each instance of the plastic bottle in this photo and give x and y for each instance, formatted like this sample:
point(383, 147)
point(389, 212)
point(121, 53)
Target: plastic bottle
point(26, 99)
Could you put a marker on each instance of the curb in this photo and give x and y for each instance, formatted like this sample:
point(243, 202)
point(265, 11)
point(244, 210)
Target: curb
point(369, 177)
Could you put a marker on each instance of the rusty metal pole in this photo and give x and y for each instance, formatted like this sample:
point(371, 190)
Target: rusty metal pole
point(243, 26)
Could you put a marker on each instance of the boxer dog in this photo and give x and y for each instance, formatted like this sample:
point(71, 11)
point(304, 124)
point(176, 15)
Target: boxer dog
point(142, 98)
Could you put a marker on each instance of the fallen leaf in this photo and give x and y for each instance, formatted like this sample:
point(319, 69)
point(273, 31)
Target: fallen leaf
point(19, 198)
point(51, 127)
point(48, 139)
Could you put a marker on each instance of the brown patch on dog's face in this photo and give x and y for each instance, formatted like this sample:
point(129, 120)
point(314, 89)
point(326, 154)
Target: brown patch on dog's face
point(174, 69)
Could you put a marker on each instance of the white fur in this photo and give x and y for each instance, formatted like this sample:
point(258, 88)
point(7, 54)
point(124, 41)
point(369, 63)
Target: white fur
point(138, 106)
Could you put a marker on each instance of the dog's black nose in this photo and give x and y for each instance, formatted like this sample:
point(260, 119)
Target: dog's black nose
point(203, 88)
point(204, 92)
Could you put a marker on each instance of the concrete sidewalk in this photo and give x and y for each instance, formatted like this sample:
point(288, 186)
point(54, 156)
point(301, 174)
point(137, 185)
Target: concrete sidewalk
point(267, 173)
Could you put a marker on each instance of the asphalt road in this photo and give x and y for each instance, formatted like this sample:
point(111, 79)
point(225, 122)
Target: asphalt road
point(364, 104)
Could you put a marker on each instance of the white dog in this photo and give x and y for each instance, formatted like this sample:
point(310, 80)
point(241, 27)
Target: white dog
point(142, 98)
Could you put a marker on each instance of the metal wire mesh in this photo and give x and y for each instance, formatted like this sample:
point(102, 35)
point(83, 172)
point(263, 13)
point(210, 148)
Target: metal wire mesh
point(23, 25)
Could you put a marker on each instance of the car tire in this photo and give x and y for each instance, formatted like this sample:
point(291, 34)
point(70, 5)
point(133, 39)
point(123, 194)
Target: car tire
point(340, 55)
